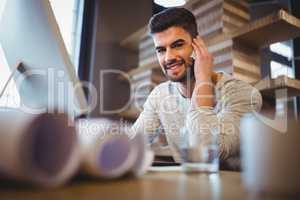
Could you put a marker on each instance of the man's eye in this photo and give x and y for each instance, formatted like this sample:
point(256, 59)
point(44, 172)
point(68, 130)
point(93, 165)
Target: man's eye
point(177, 45)
point(159, 50)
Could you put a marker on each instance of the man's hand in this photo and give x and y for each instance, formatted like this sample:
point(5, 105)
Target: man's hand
point(203, 61)
point(203, 94)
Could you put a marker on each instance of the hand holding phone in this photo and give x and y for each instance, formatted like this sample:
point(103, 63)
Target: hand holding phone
point(203, 60)
point(203, 74)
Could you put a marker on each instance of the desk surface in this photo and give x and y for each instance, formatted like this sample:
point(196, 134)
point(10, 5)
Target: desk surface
point(153, 185)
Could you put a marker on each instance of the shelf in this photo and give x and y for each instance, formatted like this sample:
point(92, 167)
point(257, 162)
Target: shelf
point(277, 27)
point(139, 70)
point(268, 86)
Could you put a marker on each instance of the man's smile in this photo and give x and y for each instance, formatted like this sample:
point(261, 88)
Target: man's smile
point(174, 65)
point(175, 69)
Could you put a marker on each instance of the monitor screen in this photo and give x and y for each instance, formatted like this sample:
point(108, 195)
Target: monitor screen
point(37, 56)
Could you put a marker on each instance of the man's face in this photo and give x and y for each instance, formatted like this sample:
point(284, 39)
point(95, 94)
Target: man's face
point(173, 49)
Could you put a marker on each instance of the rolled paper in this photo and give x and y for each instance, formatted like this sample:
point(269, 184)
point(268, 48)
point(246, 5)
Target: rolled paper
point(40, 149)
point(144, 155)
point(108, 148)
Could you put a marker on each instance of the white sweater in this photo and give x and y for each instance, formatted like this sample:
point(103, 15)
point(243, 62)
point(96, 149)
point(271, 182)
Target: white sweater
point(167, 109)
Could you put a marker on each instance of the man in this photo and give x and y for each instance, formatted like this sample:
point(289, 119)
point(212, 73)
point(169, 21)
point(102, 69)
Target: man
point(194, 97)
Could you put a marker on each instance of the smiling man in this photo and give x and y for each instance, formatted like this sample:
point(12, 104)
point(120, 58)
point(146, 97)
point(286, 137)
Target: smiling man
point(194, 97)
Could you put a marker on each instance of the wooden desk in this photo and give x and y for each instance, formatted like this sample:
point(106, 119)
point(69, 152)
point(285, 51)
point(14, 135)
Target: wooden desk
point(153, 185)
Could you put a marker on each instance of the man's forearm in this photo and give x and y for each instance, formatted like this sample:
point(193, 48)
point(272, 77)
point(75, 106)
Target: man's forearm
point(203, 94)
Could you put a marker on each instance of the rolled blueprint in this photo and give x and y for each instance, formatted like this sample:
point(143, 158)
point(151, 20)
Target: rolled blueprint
point(38, 149)
point(109, 150)
point(145, 156)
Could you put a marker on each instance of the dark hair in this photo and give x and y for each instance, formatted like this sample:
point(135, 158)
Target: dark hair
point(179, 17)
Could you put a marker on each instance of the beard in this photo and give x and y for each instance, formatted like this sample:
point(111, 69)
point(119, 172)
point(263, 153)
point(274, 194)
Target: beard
point(187, 75)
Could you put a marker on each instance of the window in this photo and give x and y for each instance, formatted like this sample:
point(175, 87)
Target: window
point(282, 48)
point(10, 97)
point(282, 54)
point(68, 14)
point(278, 69)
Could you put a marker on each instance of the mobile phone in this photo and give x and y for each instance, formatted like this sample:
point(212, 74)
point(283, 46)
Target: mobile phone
point(193, 55)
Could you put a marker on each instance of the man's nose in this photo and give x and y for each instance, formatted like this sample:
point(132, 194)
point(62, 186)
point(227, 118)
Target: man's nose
point(170, 55)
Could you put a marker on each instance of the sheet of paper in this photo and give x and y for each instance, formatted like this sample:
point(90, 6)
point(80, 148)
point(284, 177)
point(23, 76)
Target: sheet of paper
point(165, 169)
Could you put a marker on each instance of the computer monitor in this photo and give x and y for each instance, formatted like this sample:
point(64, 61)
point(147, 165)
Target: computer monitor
point(46, 79)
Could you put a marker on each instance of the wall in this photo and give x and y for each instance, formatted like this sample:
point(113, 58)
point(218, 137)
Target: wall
point(114, 21)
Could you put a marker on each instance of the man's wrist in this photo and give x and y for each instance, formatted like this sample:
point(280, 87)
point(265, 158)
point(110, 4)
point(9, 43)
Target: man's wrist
point(203, 94)
point(202, 79)
point(202, 82)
